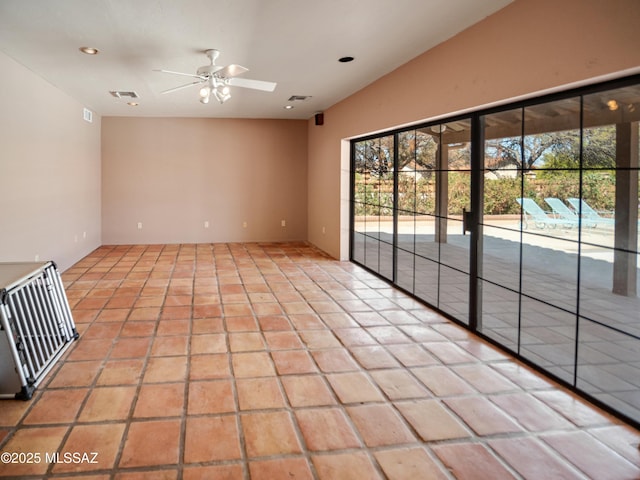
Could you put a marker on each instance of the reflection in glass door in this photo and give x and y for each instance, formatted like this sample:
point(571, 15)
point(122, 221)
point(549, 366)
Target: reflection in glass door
point(531, 237)
point(373, 180)
point(453, 198)
point(559, 240)
point(550, 271)
point(500, 228)
point(433, 191)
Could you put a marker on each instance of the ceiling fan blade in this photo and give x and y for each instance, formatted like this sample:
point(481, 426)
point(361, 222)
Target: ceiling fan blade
point(181, 73)
point(255, 84)
point(232, 70)
point(174, 89)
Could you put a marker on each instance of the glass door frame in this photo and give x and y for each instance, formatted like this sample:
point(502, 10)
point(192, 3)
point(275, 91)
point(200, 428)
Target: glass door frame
point(474, 226)
point(468, 225)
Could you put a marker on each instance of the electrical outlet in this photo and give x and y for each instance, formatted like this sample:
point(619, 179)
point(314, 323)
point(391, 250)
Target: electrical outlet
point(283, 223)
point(244, 224)
point(84, 235)
point(324, 230)
point(206, 224)
point(37, 258)
point(139, 225)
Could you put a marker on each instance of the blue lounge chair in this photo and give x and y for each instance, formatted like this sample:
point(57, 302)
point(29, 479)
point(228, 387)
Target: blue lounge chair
point(538, 216)
point(560, 210)
point(585, 210)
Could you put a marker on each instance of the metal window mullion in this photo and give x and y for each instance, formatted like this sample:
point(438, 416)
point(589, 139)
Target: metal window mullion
point(352, 197)
point(379, 236)
point(440, 173)
point(477, 208)
point(394, 256)
point(366, 203)
point(522, 217)
point(415, 206)
point(580, 178)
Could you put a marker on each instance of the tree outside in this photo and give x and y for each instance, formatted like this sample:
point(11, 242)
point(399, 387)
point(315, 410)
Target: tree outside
point(557, 164)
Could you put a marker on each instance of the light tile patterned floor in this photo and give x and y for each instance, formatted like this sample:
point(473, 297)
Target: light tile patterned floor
point(273, 361)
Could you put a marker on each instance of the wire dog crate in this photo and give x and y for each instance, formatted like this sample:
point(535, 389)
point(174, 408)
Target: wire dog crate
point(37, 324)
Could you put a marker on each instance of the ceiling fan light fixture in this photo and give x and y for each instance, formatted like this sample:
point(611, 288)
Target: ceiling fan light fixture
point(215, 80)
point(220, 95)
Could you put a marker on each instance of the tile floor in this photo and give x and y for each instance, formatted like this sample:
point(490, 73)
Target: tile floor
point(568, 323)
point(272, 361)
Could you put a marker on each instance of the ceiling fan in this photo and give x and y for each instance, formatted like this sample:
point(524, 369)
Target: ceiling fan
point(216, 79)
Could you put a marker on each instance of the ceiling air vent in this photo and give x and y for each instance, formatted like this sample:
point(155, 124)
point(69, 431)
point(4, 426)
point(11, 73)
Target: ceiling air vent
point(124, 94)
point(294, 98)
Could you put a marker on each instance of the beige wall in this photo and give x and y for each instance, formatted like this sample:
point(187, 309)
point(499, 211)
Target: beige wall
point(174, 174)
point(529, 46)
point(49, 171)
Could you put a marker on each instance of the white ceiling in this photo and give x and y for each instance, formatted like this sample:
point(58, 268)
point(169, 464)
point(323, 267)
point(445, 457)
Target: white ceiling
point(295, 43)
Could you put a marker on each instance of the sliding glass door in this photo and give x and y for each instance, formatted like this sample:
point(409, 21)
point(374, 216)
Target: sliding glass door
point(410, 192)
point(559, 259)
point(373, 197)
point(529, 275)
point(520, 222)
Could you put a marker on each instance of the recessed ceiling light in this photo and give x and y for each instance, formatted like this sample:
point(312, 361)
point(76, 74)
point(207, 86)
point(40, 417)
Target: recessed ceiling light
point(345, 59)
point(288, 107)
point(133, 104)
point(89, 50)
